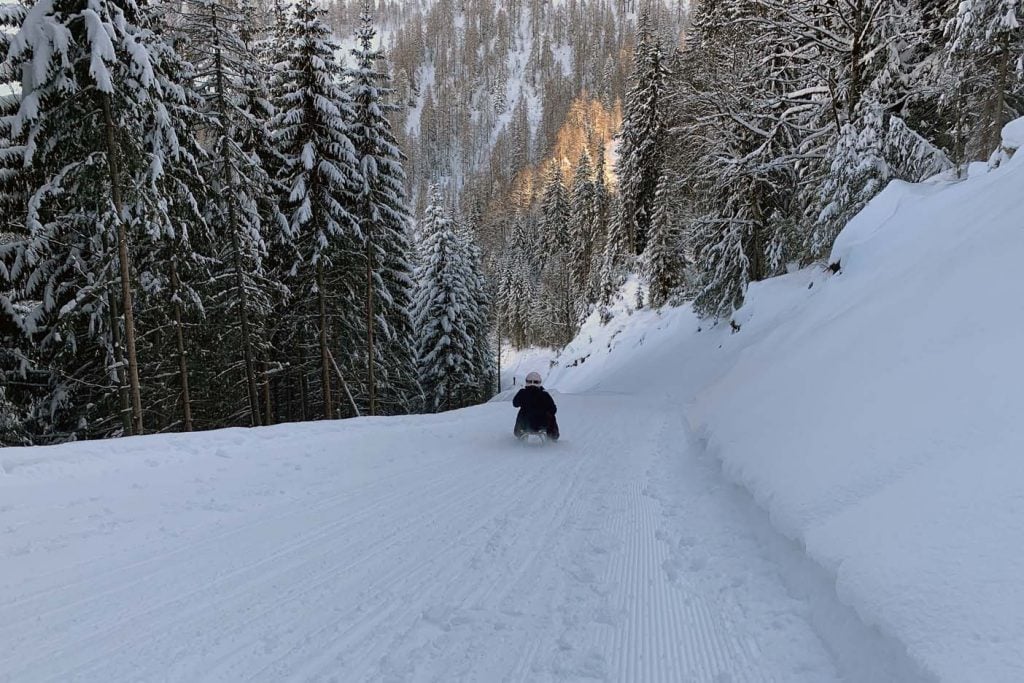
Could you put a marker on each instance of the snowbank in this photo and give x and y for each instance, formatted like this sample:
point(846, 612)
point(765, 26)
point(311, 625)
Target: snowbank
point(877, 413)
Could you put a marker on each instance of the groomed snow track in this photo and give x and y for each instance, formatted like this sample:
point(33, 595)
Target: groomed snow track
point(410, 549)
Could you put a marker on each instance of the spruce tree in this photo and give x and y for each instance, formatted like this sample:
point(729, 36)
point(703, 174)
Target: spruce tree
point(557, 300)
point(858, 172)
point(240, 205)
point(478, 317)
point(443, 304)
point(643, 138)
point(383, 215)
point(517, 298)
point(616, 257)
point(14, 182)
point(663, 261)
point(554, 225)
point(323, 182)
point(98, 145)
point(581, 233)
point(983, 70)
point(599, 232)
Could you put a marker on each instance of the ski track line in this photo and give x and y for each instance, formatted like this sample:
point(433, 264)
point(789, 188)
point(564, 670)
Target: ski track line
point(524, 632)
point(712, 638)
point(423, 581)
point(161, 609)
point(453, 593)
point(463, 591)
point(538, 570)
point(689, 638)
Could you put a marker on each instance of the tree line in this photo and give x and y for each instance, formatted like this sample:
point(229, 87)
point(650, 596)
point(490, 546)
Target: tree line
point(206, 223)
point(783, 119)
point(749, 143)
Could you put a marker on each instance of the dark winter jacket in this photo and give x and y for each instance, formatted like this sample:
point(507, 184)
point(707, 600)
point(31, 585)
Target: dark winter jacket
point(536, 408)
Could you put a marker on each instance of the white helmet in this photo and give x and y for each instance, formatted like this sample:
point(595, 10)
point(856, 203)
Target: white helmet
point(533, 378)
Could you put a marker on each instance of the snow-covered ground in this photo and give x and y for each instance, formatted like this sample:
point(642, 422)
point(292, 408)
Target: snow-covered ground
point(407, 549)
point(874, 414)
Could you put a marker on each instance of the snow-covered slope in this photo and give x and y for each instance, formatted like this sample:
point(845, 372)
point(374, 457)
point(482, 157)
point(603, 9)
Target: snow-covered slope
point(875, 413)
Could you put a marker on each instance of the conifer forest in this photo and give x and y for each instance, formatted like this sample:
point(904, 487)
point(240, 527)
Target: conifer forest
point(219, 213)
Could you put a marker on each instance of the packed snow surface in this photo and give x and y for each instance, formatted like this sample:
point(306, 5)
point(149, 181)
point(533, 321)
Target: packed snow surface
point(400, 549)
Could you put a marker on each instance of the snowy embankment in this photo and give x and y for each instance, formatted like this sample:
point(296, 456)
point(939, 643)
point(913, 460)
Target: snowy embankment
point(875, 413)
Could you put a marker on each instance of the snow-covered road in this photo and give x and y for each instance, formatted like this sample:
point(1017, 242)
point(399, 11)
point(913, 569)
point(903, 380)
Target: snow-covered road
point(410, 549)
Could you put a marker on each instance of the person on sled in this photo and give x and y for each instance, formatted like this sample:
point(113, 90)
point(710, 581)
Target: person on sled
point(536, 409)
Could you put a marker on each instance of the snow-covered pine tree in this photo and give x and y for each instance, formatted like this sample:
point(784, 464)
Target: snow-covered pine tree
point(241, 204)
point(383, 215)
point(517, 298)
point(522, 303)
point(175, 269)
point(734, 158)
point(858, 172)
point(721, 257)
point(643, 137)
point(443, 312)
point(582, 220)
point(13, 181)
point(984, 70)
point(479, 316)
point(858, 163)
point(554, 224)
point(616, 257)
point(557, 300)
point(663, 260)
point(320, 171)
point(16, 394)
point(97, 145)
point(599, 231)
point(502, 273)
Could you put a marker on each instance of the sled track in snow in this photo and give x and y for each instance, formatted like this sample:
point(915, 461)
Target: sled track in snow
point(613, 555)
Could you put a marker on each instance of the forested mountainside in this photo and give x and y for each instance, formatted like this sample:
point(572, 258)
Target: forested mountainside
point(487, 86)
point(511, 110)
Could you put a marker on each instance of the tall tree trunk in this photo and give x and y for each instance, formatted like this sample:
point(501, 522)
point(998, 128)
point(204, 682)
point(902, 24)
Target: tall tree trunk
point(243, 312)
point(122, 249)
point(303, 388)
point(119, 361)
point(228, 180)
point(370, 351)
point(994, 129)
point(756, 247)
point(325, 362)
point(186, 400)
point(856, 50)
point(268, 403)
